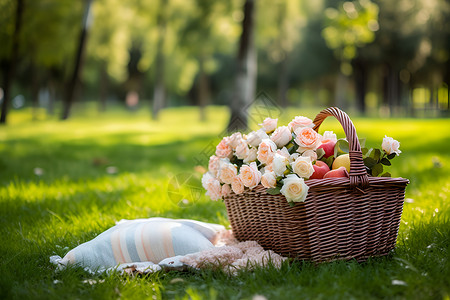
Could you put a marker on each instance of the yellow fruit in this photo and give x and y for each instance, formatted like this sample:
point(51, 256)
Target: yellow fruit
point(342, 161)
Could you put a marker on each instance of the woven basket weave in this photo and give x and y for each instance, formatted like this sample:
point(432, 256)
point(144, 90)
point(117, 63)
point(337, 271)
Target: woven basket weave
point(342, 218)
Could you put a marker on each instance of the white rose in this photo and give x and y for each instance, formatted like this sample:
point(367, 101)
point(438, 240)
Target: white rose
point(269, 125)
point(311, 154)
point(234, 140)
point(254, 138)
point(329, 135)
point(294, 188)
point(251, 155)
point(242, 149)
point(269, 180)
point(281, 136)
point(284, 152)
point(227, 172)
point(390, 145)
point(279, 164)
point(303, 167)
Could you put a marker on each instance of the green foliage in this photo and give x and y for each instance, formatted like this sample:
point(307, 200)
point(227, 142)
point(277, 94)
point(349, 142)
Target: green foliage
point(75, 198)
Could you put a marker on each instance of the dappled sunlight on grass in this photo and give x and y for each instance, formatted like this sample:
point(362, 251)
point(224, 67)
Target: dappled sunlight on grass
point(63, 183)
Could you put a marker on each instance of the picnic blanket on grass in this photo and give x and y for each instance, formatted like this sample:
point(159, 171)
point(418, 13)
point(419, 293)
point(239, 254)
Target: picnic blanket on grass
point(149, 245)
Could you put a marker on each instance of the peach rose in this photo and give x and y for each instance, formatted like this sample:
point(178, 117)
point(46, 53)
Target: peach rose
point(266, 150)
point(250, 175)
point(311, 154)
point(306, 139)
point(269, 125)
point(303, 167)
point(226, 190)
point(237, 186)
point(223, 149)
point(234, 140)
point(213, 165)
point(242, 150)
point(300, 122)
point(254, 138)
point(390, 145)
point(279, 164)
point(281, 136)
point(227, 172)
point(294, 188)
point(269, 180)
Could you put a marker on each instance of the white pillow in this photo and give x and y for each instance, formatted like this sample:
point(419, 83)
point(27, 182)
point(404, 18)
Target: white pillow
point(140, 240)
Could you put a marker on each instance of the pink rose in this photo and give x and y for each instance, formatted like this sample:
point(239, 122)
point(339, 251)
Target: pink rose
point(281, 136)
point(223, 150)
point(214, 189)
point(237, 186)
point(250, 175)
point(227, 172)
point(300, 122)
point(266, 150)
point(311, 154)
point(306, 139)
point(269, 180)
point(241, 149)
point(213, 165)
point(269, 125)
point(234, 140)
point(226, 190)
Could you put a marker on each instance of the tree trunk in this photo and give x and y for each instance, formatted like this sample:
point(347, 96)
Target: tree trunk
point(35, 91)
point(103, 88)
point(10, 68)
point(203, 90)
point(360, 76)
point(340, 91)
point(245, 82)
point(283, 82)
point(159, 94)
point(70, 94)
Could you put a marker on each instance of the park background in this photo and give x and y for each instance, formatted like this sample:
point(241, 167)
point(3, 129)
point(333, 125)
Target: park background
point(110, 110)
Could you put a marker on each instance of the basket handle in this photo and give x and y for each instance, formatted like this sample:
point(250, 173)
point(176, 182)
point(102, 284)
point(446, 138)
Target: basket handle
point(358, 173)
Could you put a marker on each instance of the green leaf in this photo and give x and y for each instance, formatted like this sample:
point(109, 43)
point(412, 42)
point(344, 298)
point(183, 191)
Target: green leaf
point(387, 174)
point(362, 142)
point(364, 150)
point(377, 170)
point(293, 149)
point(392, 155)
point(328, 161)
point(341, 147)
point(291, 204)
point(385, 161)
point(320, 153)
point(273, 191)
point(376, 154)
point(369, 162)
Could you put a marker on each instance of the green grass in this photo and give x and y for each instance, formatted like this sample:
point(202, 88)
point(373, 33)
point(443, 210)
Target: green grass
point(75, 199)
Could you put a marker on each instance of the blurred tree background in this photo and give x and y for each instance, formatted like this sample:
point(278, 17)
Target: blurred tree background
point(379, 57)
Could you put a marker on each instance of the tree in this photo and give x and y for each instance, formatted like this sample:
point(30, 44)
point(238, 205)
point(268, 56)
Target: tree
point(10, 68)
point(245, 80)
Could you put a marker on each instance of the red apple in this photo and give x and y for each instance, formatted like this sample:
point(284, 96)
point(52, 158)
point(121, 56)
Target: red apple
point(339, 172)
point(328, 147)
point(320, 169)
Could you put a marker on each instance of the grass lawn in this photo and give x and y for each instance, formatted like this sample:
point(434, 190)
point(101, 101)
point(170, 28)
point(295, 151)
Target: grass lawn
point(63, 183)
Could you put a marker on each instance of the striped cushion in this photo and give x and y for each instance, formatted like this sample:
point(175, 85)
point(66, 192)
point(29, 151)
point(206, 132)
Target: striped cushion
point(141, 240)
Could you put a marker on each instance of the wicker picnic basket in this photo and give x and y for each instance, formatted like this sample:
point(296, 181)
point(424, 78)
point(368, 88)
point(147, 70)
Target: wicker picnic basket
point(342, 218)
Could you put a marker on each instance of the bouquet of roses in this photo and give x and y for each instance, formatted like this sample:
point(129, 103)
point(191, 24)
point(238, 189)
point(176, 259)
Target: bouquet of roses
point(282, 158)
